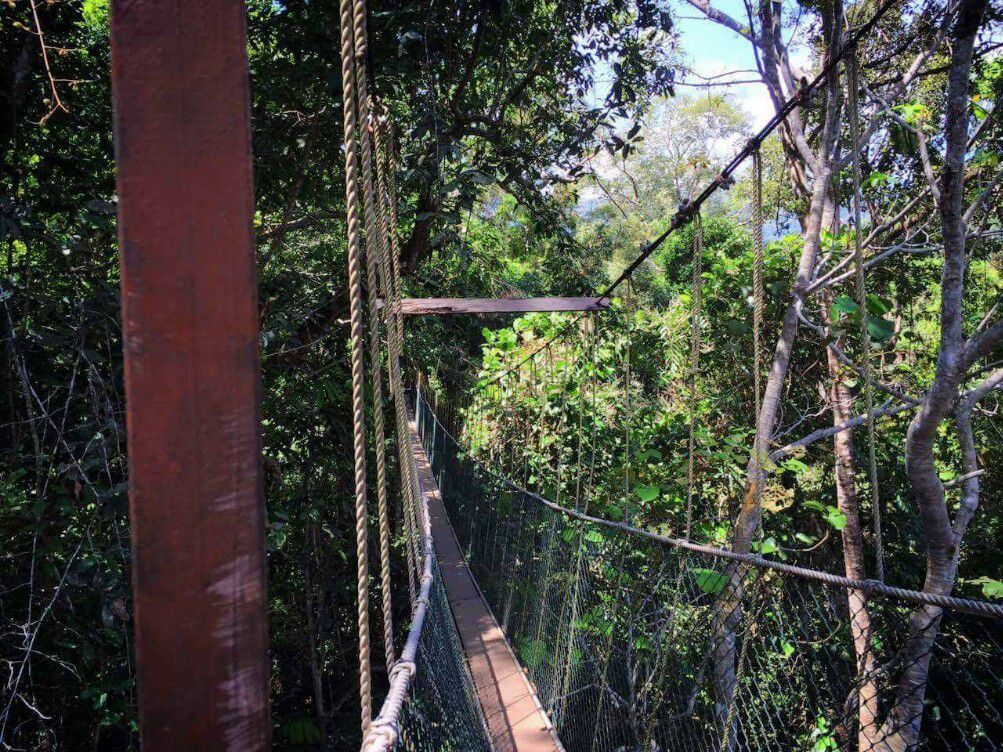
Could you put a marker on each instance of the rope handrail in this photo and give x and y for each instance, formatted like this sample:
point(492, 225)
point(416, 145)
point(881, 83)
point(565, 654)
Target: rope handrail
point(385, 729)
point(968, 605)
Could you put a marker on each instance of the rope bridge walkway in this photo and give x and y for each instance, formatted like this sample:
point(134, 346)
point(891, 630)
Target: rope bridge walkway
point(532, 623)
point(535, 625)
point(622, 630)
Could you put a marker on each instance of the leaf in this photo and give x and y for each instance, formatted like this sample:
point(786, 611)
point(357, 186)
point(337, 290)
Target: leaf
point(787, 648)
point(876, 306)
point(709, 581)
point(642, 643)
point(881, 329)
point(836, 518)
point(594, 536)
point(875, 179)
point(842, 304)
point(990, 588)
point(796, 465)
point(647, 493)
point(903, 140)
point(768, 546)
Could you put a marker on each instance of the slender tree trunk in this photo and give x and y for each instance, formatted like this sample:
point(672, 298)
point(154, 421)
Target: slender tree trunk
point(901, 729)
point(728, 612)
point(853, 550)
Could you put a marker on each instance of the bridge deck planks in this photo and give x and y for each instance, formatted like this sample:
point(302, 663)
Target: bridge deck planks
point(513, 716)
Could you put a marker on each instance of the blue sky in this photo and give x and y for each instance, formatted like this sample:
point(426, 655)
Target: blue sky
point(713, 49)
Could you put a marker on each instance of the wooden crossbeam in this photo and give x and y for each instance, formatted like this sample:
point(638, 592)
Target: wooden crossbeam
point(452, 306)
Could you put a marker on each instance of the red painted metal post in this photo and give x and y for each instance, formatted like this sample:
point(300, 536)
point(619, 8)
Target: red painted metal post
point(190, 327)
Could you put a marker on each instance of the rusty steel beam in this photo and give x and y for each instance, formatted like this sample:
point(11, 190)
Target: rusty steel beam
point(190, 330)
point(451, 306)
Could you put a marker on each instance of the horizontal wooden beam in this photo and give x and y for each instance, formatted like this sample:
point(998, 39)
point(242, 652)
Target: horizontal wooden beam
point(451, 306)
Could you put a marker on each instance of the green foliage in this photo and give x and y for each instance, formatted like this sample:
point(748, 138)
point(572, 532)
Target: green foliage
point(990, 588)
point(709, 580)
point(494, 128)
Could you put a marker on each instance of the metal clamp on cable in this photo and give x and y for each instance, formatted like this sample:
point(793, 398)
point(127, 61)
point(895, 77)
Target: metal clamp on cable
point(682, 213)
point(724, 182)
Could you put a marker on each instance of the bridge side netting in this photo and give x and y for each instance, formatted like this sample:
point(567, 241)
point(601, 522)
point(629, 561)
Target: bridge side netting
point(637, 645)
point(431, 704)
point(441, 712)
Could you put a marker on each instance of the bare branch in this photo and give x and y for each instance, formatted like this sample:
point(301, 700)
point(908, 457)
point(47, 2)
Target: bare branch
point(885, 410)
point(57, 103)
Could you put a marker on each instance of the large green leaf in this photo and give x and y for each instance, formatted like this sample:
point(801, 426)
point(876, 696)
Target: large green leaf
point(842, 306)
point(647, 493)
point(990, 588)
point(881, 329)
point(709, 580)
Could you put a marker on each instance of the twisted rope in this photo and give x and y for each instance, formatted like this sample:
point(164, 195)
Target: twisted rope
point(397, 342)
point(861, 293)
point(373, 238)
point(758, 310)
point(385, 730)
point(696, 303)
point(390, 291)
point(758, 294)
point(348, 84)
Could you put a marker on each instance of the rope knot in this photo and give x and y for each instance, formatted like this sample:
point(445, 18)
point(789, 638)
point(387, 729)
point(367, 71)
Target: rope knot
point(400, 666)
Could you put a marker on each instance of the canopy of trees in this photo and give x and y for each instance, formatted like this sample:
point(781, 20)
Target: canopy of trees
point(540, 145)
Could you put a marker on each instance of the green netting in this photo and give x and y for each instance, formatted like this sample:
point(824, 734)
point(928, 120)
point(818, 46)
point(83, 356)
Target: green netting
point(635, 645)
point(442, 713)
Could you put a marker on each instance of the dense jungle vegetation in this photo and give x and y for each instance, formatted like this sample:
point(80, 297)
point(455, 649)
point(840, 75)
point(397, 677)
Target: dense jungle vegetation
point(531, 163)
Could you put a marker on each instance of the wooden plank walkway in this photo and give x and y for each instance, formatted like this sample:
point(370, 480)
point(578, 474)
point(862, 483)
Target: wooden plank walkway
point(515, 721)
point(453, 306)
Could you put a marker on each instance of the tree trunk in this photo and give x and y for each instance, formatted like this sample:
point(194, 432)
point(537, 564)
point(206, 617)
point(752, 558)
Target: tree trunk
point(728, 608)
point(901, 729)
point(853, 549)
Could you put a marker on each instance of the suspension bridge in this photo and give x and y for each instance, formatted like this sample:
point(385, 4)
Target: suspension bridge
point(534, 624)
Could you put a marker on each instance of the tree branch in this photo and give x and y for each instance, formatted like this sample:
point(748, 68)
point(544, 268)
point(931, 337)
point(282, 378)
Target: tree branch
point(885, 410)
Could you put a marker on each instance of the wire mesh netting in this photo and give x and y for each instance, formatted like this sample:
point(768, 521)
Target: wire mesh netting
point(431, 704)
point(636, 644)
point(442, 713)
